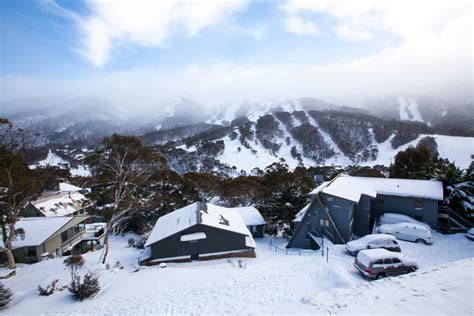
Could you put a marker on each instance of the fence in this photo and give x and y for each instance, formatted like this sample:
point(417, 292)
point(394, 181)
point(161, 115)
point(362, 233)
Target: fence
point(293, 251)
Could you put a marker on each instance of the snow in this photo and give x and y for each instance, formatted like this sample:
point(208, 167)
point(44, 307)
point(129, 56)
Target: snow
point(194, 236)
point(215, 215)
point(394, 218)
point(245, 159)
point(443, 290)
point(456, 149)
point(250, 215)
point(179, 220)
point(351, 188)
point(367, 256)
point(300, 214)
point(339, 157)
point(59, 203)
point(67, 187)
point(272, 283)
point(81, 171)
point(38, 230)
point(373, 237)
point(409, 110)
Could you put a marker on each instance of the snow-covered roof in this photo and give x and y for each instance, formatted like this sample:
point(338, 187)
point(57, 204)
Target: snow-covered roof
point(197, 213)
point(38, 229)
point(59, 203)
point(67, 187)
point(300, 214)
point(250, 215)
point(351, 188)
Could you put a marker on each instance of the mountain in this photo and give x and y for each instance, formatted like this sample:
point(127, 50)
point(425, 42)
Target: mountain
point(65, 120)
point(310, 138)
point(447, 117)
point(239, 137)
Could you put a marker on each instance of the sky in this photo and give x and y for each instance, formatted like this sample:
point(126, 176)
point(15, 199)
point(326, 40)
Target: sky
point(143, 53)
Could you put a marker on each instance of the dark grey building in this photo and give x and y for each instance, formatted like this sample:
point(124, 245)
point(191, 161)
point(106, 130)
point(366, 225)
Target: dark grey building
point(198, 231)
point(253, 220)
point(348, 206)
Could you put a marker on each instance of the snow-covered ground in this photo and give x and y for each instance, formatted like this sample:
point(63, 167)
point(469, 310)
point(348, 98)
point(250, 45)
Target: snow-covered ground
point(455, 148)
point(409, 110)
point(54, 160)
point(273, 283)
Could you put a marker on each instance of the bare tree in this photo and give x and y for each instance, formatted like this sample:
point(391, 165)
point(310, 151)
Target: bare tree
point(123, 167)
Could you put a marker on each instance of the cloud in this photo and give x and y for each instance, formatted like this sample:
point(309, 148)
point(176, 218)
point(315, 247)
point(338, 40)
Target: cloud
point(363, 19)
point(300, 26)
point(148, 23)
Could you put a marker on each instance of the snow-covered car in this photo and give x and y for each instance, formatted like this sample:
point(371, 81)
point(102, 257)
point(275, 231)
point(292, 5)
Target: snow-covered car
point(394, 218)
point(470, 234)
point(379, 263)
point(407, 231)
point(373, 241)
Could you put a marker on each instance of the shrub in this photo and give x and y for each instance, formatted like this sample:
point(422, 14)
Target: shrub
point(74, 263)
point(86, 289)
point(140, 244)
point(5, 295)
point(48, 290)
point(131, 242)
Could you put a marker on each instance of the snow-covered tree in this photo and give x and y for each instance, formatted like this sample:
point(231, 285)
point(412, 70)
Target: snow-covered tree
point(123, 167)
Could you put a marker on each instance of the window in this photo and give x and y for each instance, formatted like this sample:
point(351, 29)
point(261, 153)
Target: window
point(377, 263)
point(418, 204)
point(324, 223)
point(64, 236)
point(380, 199)
point(396, 260)
point(254, 229)
point(329, 199)
point(31, 251)
point(387, 261)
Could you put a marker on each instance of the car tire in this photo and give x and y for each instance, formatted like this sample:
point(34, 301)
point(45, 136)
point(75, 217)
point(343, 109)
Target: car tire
point(419, 241)
point(380, 276)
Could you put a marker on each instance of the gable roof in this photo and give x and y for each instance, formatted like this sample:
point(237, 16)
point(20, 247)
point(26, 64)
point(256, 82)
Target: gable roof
point(250, 215)
point(59, 203)
point(300, 214)
point(38, 229)
point(67, 187)
point(197, 213)
point(351, 188)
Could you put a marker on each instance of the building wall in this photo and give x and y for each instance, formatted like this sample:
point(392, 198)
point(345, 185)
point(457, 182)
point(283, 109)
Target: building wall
point(362, 216)
point(217, 240)
point(31, 211)
point(257, 230)
point(406, 206)
point(50, 245)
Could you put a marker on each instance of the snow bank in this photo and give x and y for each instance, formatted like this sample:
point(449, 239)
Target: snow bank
point(444, 290)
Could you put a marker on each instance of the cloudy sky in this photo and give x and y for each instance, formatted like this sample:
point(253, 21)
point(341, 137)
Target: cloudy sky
point(144, 52)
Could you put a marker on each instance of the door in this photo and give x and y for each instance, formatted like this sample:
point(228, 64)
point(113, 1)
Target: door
point(194, 249)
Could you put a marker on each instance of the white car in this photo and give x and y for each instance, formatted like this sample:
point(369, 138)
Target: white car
point(470, 234)
point(407, 231)
point(373, 241)
point(394, 218)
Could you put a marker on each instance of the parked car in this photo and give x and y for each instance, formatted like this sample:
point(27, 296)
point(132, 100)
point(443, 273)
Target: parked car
point(407, 231)
point(394, 218)
point(373, 241)
point(470, 234)
point(380, 263)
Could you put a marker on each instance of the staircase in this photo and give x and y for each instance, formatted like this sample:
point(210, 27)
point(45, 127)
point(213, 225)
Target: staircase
point(450, 221)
